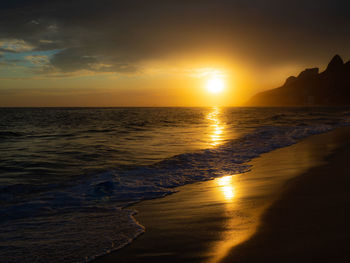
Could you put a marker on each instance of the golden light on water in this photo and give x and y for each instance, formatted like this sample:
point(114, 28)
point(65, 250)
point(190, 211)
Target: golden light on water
point(226, 187)
point(226, 192)
point(217, 129)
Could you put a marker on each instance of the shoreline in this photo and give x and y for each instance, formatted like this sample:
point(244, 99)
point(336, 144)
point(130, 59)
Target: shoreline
point(202, 222)
point(310, 220)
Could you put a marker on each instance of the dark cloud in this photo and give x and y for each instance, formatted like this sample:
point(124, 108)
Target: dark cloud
point(116, 36)
point(72, 59)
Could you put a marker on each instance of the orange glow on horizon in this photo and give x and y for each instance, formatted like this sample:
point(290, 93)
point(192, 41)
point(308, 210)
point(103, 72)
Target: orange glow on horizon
point(204, 82)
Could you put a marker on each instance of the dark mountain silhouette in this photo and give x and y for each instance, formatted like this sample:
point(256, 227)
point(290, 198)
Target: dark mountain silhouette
point(330, 87)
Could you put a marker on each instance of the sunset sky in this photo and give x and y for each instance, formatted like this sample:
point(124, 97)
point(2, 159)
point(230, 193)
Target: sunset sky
point(161, 53)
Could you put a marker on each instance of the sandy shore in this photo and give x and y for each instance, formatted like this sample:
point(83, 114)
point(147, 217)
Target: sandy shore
point(311, 220)
point(231, 219)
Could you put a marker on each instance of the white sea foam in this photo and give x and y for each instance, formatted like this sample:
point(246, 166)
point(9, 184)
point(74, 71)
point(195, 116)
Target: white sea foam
point(88, 217)
point(90, 213)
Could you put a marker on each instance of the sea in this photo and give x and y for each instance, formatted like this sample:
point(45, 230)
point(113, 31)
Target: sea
point(68, 176)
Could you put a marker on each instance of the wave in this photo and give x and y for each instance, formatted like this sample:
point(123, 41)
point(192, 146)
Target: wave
point(8, 134)
point(95, 204)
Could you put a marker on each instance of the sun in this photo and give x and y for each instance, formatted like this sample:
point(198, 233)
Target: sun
point(215, 85)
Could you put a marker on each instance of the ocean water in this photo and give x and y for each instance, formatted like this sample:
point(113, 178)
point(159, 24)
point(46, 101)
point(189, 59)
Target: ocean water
point(68, 175)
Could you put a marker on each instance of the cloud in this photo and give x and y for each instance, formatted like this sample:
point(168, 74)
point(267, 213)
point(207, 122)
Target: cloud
point(73, 59)
point(15, 45)
point(38, 59)
point(120, 36)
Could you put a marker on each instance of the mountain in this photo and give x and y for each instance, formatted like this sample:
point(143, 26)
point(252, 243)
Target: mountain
point(330, 88)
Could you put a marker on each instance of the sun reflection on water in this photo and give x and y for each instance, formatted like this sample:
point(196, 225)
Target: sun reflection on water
point(217, 129)
point(226, 186)
point(227, 189)
point(228, 193)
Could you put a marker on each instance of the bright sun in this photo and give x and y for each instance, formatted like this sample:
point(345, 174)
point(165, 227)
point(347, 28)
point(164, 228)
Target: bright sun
point(215, 85)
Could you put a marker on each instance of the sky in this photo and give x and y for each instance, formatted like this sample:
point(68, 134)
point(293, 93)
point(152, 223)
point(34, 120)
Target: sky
point(161, 52)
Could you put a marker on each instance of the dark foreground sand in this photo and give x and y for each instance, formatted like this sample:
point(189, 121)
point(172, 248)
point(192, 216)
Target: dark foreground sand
point(310, 222)
point(220, 220)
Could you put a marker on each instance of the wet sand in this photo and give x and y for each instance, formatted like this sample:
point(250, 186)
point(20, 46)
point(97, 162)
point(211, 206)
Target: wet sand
point(220, 220)
point(311, 220)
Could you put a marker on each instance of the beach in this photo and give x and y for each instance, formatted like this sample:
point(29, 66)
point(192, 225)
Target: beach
point(155, 184)
point(310, 221)
point(174, 131)
point(292, 203)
